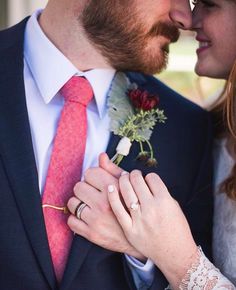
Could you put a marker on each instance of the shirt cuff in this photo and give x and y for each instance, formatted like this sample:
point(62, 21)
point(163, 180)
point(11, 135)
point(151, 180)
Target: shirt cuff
point(143, 273)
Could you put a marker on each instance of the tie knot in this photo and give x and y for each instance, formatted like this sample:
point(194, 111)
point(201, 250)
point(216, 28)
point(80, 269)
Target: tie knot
point(77, 89)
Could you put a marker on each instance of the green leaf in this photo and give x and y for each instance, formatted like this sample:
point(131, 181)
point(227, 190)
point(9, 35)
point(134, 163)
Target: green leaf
point(119, 106)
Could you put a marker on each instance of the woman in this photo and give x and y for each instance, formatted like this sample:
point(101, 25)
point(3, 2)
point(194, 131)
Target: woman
point(170, 244)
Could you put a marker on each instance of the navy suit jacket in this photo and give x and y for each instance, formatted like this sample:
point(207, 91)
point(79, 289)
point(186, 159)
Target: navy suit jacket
point(183, 150)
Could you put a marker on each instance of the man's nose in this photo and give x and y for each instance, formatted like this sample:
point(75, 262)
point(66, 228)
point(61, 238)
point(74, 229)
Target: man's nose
point(181, 14)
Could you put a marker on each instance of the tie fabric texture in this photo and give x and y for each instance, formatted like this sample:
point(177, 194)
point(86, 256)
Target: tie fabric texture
point(65, 168)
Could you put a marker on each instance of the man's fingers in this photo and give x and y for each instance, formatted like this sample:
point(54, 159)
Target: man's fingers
point(72, 204)
point(109, 166)
point(117, 207)
point(87, 194)
point(99, 178)
point(78, 226)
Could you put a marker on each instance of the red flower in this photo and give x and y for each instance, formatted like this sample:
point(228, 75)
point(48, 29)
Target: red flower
point(143, 100)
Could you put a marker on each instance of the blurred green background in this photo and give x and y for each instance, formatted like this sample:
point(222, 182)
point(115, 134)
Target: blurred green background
point(180, 73)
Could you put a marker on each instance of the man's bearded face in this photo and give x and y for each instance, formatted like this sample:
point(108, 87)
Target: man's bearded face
point(121, 33)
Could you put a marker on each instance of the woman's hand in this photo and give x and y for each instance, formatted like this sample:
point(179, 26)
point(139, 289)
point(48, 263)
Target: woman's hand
point(154, 223)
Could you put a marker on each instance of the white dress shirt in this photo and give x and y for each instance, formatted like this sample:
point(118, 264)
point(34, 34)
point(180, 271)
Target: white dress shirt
point(46, 70)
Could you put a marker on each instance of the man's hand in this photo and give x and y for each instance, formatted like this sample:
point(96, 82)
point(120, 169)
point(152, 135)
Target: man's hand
point(98, 224)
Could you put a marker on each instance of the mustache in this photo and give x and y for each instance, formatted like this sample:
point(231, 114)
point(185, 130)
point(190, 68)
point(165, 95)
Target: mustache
point(165, 29)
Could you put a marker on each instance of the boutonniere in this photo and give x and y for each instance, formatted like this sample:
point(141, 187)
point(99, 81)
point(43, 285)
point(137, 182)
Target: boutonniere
point(133, 114)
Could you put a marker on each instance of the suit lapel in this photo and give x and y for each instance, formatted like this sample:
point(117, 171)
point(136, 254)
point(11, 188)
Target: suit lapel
point(79, 250)
point(18, 156)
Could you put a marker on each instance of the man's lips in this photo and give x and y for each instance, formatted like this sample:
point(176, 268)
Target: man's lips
point(203, 44)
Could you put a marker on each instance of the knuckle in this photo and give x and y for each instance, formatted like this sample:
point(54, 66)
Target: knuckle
point(70, 203)
point(104, 207)
point(152, 177)
point(77, 187)
point(135, 175)
point(70, 222)
point(80, 190)
point(88, 172)
point(136, 172)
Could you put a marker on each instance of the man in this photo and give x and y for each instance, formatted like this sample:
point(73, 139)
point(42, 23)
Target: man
point(45, 143)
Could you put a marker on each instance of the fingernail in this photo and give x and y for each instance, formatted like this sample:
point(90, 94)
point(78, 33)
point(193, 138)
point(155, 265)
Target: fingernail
point(110, 188)
point(124, 173)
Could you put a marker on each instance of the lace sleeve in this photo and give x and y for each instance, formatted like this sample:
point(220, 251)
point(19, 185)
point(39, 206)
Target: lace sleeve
point(204, 275)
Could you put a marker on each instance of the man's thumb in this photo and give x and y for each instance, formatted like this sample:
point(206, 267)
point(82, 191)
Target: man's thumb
point(106, 164)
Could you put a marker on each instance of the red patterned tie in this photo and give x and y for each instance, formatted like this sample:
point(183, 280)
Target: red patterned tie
point(65, 168)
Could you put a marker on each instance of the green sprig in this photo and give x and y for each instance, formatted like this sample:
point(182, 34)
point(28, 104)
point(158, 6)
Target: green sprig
point(126, 121)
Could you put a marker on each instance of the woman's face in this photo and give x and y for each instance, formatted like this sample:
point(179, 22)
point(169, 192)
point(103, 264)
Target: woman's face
point(215, 24)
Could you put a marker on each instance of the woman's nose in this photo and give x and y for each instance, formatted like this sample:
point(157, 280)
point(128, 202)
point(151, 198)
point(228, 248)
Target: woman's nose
point(196, 18)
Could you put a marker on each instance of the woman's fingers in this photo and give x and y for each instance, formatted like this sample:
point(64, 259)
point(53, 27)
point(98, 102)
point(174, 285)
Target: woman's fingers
point(129, 196)
point(120, 212)
point(140, 186)
point(135, 191)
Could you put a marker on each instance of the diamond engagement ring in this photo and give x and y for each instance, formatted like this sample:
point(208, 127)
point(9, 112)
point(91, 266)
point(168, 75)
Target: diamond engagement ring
point(134, 206)
point(79, 209)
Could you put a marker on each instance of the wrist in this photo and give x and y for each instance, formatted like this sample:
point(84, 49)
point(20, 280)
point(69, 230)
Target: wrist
point(137, 255)
point(176, 267)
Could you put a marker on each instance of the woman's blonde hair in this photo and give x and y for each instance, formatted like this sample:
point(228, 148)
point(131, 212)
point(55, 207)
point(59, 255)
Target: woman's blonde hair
point(227, 112)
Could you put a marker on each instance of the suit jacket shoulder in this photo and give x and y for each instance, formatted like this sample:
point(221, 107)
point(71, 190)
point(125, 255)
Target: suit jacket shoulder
point(12, 35)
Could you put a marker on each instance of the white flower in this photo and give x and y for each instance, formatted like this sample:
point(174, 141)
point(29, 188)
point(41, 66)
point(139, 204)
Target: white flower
point(124, 146)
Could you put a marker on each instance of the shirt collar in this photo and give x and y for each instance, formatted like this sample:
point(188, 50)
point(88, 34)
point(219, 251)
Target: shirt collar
point(51, 69)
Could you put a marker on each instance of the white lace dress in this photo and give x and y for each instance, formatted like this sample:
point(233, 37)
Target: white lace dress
point(203, 274)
